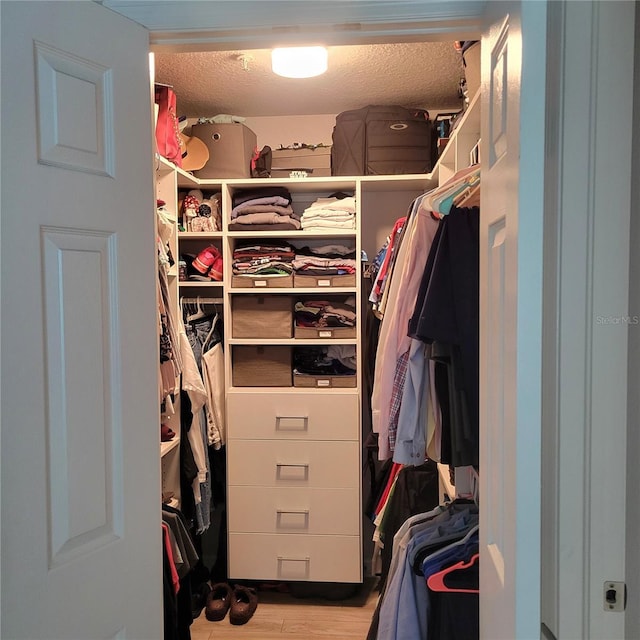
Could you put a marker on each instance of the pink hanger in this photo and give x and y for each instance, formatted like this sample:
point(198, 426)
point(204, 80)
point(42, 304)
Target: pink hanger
point(435, 581)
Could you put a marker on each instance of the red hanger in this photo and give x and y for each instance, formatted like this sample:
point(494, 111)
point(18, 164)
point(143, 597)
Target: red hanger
point(435, 581)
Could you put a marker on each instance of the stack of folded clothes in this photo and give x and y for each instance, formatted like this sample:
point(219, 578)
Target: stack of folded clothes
point(333, 360)
point(263, 209)
point(260, 260)
point(335, 212)
point(328, 260)
point(319, 314)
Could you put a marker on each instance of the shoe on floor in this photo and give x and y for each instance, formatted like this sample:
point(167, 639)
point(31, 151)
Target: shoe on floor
point(218, 602)
point(243, 604)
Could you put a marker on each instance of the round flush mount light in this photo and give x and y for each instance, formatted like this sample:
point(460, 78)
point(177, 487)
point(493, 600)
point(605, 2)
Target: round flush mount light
point(299, 62)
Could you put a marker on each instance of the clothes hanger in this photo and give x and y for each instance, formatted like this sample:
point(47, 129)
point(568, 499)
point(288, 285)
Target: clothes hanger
point(199, 314)
point(435, 581)
point(470, 197)
point(214, 323)
point(446, 201)
point(440, 199)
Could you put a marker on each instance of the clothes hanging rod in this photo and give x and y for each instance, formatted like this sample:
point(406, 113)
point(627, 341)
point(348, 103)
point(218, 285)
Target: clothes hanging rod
point(202, 300)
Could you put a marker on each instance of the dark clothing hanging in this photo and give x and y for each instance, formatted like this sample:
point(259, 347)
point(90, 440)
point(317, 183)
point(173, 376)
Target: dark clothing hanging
point(416, 491)
point(447, 317)
point(455, 608)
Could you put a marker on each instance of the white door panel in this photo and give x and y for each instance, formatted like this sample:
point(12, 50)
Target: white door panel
point(510, 319)
point(80, 448)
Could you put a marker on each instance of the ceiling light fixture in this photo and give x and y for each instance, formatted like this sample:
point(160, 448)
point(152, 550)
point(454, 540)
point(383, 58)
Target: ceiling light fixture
point(299, 62)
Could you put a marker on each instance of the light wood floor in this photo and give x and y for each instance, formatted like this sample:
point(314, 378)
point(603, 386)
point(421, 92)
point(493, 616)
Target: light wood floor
point(283, 617)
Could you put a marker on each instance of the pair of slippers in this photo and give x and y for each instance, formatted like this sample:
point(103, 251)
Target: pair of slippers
point(239, 601)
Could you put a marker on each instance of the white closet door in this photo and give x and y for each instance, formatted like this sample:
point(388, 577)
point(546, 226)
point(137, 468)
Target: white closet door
point(81, 529)
point(510, 320)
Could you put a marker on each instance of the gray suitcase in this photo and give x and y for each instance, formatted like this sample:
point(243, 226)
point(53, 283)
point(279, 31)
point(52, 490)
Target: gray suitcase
point(383, 140)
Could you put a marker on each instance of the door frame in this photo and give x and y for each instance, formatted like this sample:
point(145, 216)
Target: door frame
point(560, 608)
point(586, 257)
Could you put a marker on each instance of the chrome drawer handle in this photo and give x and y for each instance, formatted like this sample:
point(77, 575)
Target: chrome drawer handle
point(300, 512)
point(292, 423)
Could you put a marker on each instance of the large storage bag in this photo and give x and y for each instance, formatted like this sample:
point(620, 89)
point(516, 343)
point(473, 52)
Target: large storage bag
point(379, 140)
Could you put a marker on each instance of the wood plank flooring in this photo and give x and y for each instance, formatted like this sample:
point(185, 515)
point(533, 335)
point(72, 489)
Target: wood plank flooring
point(281, 616)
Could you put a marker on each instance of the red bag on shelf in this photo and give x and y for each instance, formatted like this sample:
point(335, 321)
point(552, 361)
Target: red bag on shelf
point(167, 130)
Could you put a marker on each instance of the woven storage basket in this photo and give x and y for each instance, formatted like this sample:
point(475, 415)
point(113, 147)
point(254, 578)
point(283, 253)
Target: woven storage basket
point(255, 316)
point(257, 366)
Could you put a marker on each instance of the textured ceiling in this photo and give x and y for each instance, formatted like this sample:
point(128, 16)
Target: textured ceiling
point(412, 75)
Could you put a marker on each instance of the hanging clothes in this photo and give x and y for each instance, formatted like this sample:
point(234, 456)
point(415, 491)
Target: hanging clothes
point(394, 343)
point(179, 559)
point(404, 605)
point(446, 318)
point(193, 386)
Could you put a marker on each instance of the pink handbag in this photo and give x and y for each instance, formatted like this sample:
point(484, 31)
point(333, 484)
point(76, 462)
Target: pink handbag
point(167, 130)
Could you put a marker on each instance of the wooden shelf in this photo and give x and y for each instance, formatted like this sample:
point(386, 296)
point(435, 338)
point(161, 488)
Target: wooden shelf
point(170, 445)
point(294, 342)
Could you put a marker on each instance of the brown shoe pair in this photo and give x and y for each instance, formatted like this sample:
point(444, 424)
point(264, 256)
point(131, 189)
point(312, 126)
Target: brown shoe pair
point(240, 601)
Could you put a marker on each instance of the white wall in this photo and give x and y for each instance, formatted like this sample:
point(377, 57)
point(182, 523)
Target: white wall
point(277, 131)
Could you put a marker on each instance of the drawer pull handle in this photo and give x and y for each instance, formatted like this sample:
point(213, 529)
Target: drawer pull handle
point(294, 568)
point(292, 471)
point(292, 423)
point(292, 519)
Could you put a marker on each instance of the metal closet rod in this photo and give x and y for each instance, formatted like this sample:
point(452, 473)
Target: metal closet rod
point(202, 300)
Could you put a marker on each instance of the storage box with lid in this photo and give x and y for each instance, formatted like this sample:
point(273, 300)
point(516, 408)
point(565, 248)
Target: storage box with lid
point(255, 316)
point(231, 147)
point(316, 161)
point(261, 366)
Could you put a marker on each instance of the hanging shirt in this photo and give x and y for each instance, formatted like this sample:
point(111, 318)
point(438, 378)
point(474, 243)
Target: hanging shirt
point(394, 341)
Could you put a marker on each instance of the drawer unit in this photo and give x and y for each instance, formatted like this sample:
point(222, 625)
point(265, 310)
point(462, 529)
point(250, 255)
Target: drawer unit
point(293, 463)
point(301, 416)
point(262, 556)
point(294, 510)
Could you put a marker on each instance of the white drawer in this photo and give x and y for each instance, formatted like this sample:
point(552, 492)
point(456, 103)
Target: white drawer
point(263, 556)
point(306, 416)
point(294, 510)
point(293, 463)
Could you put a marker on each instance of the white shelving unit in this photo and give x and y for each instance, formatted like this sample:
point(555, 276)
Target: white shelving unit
point(294, 454)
